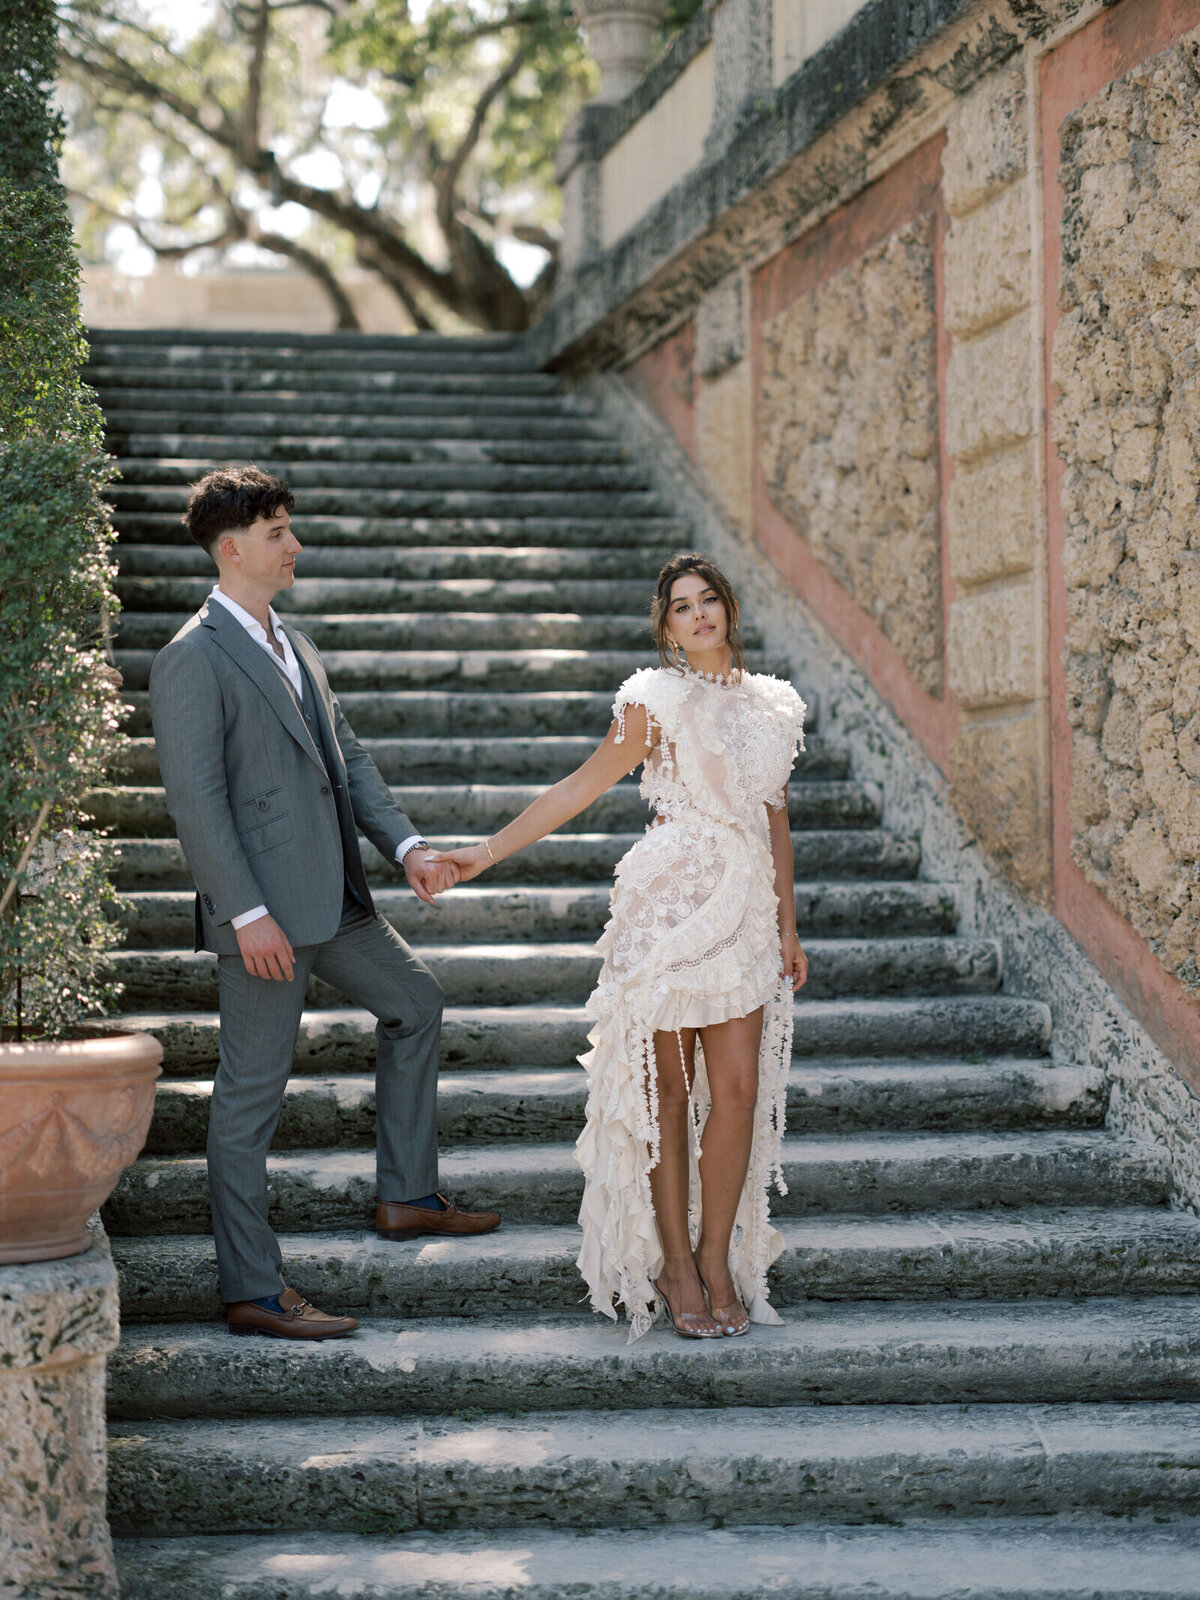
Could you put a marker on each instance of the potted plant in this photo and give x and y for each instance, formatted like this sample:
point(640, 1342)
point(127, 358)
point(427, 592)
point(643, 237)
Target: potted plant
point(75, 1100)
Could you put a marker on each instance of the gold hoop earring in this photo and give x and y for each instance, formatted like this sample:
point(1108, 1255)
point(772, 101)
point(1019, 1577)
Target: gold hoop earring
point(675, 651)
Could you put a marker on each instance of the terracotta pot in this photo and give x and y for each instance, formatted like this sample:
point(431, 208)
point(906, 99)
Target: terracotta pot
point(72, 1115)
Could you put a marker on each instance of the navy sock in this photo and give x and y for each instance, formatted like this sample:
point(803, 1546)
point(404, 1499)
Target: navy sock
point(428, 1202)
point(269, 1302)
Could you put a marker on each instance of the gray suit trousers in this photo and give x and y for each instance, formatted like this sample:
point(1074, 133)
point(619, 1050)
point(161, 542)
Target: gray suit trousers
point(260, 1018)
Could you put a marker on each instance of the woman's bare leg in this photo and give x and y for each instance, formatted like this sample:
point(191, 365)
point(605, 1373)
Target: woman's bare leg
point(731, 1058)
point(679, 1278)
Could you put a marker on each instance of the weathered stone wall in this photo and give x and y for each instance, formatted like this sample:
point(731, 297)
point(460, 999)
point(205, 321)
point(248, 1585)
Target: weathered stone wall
point(1128, 426)
point(848, 436)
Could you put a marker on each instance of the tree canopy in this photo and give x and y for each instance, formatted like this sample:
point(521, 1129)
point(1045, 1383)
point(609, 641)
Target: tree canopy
point(418, 139)
point(416, 136)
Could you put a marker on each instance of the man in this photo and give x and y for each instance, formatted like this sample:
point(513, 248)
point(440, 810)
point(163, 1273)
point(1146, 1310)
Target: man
point(268, 788)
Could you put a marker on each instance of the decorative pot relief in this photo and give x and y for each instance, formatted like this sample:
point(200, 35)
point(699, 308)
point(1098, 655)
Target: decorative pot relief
point(72, 1115)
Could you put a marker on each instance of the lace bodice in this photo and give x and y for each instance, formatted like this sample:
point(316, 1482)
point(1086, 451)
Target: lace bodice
point(724, 749)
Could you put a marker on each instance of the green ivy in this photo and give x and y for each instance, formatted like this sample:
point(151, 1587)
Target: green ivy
point(59, 704)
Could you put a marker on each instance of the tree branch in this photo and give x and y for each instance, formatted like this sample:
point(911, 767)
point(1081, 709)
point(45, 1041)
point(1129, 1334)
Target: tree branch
point(446, 181)
point(260, 32)
point(121, 75)
point(399, 287)
point(317, 267)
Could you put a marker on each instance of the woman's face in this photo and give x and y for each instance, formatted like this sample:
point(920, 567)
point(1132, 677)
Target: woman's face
point(696, 618)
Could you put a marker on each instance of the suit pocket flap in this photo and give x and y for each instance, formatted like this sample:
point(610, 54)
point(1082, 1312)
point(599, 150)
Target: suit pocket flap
point(266, 834)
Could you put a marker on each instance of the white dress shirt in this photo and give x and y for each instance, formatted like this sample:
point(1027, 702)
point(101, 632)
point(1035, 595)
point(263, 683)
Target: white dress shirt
point(290, 668)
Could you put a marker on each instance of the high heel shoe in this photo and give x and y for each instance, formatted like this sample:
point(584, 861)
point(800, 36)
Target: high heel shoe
point(682, 1331)
point(733, 1325)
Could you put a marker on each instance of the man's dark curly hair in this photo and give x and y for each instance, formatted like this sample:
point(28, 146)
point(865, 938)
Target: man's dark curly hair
point(230, 499)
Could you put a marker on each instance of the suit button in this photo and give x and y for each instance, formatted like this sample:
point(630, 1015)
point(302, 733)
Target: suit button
point(263, 805)
point(324, 788)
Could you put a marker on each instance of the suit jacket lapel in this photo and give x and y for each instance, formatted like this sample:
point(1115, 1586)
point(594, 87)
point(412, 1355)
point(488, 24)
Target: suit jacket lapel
point(252, 658)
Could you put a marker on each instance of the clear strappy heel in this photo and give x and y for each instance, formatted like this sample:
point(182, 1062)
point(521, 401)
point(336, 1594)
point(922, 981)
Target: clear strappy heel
point(734, 1318)
point(680, 1324)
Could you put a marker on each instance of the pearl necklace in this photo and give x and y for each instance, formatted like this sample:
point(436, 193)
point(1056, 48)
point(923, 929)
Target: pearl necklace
point(730, 680)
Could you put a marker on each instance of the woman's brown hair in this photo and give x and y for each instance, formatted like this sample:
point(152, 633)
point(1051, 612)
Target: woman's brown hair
point(660, 606)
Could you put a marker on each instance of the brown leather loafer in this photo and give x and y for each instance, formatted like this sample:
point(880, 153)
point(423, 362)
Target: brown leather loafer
point(396, 1221)
point(298, 1320)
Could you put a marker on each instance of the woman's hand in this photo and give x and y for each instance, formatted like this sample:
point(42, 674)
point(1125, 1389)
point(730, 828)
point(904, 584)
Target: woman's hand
point(469, 862)
point(794, 964)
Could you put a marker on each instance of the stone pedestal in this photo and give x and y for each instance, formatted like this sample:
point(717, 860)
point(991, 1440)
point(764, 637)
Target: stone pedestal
point(58, 1321)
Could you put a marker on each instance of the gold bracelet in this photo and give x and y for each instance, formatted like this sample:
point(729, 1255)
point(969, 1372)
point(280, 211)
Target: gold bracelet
point(487, 846)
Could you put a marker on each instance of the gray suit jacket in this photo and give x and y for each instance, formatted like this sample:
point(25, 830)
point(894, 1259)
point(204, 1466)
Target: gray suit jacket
point(260, 820)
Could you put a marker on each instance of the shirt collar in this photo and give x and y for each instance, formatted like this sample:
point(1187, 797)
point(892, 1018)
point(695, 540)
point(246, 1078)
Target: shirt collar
point(251, 624)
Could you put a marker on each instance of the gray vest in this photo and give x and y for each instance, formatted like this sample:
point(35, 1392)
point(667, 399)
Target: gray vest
point(353, 908)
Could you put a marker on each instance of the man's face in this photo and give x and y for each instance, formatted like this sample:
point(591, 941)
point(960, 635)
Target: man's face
point(264, 554)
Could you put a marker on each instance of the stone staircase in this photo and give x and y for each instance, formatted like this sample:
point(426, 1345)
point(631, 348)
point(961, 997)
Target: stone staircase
point(989, 1378)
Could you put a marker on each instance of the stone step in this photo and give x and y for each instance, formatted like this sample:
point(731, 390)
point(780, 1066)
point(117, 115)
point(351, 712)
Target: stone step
point(572, 532)
point(291, 373)
point(440, 713)
point(477, 1037)
point(850, 1174)
point(328, 477)
point(164, 918)
point(369, 635)
point(1034, 1252)
point(562, 859)
point(311, 597)
point(460, 758)
point(470, 344)
point(490, 410)
point(424, 501)
point(861, 1353)
point(431, 671)
point(1045, 1558)
point(440, 809)
point(402, 418)
point(338, 450)
point(644, 1468)
point(316, 361)
point(566, 971)
point(823, 1097)
point(495, 564)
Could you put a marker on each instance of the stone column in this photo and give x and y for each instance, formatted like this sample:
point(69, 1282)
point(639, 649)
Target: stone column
point(58, 1321)
point(995, 647)
point(620, 35)
point(741, 43)
point(579, 177)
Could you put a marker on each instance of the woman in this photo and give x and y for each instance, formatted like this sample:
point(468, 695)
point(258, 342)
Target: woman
point(692, 1040)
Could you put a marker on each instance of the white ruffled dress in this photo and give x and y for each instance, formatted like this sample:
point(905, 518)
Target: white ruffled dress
point(693, 939)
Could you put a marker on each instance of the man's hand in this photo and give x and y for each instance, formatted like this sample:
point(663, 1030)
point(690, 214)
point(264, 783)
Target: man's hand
point(265, 949)
point(428, 878)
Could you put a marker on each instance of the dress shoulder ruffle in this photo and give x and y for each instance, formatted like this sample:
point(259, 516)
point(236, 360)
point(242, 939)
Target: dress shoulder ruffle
point(783, 701)
point(658, 691)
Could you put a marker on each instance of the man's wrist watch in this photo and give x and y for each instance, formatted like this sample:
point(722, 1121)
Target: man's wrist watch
point(417, 844)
